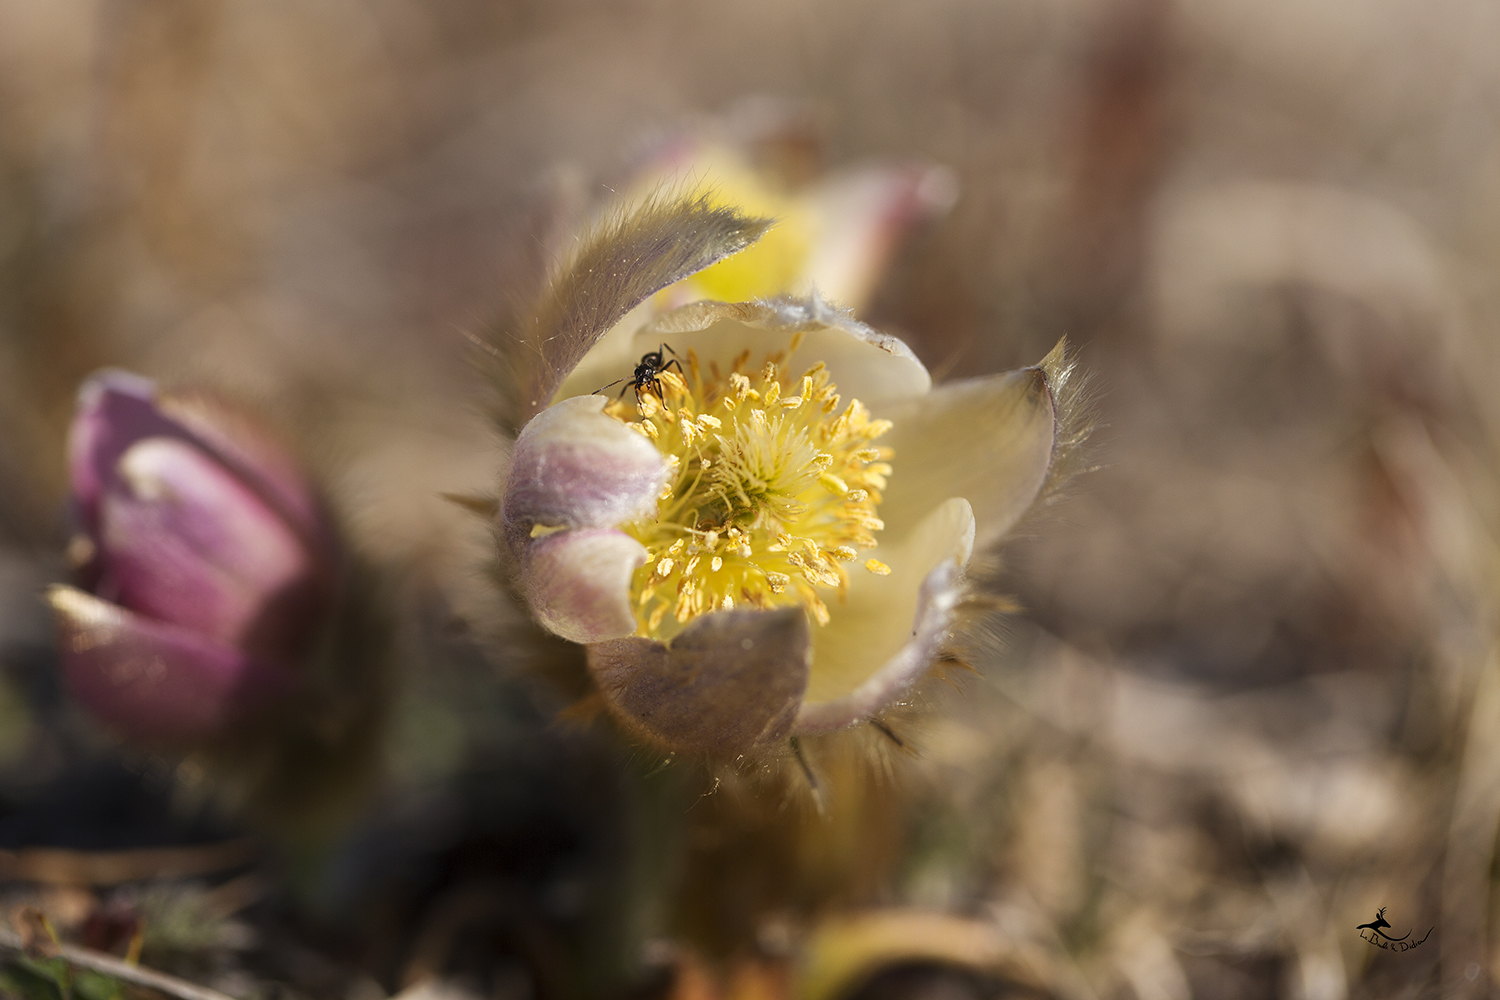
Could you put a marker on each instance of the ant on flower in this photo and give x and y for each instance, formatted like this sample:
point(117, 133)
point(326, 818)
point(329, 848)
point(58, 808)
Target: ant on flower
point(647, 373)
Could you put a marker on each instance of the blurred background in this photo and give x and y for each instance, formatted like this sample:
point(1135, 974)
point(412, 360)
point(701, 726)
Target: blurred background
point(1252, 694)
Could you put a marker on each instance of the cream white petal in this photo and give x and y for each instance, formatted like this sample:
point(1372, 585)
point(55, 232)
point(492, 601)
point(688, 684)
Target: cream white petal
point(988, 440)
point(866, 364)
point(574, 466)
point(728, 682)
point(881, 640)
point(578, 583)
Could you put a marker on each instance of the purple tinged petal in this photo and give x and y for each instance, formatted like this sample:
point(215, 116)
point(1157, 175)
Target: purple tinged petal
point(184, 541)
point(154, 681)
point(574, 466)
point(118, 408)
point(885, 634)
point(729, 682)
point(260, 462)
point(936, 600)
point(578, 583)
point(115, 409)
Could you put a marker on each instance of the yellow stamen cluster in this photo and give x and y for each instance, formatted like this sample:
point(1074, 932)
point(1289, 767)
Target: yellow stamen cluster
point(773, 488)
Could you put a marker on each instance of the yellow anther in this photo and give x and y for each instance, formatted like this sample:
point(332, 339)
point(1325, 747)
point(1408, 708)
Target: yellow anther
point(846, 553)
point(716, 564)
point(812, 571)
point(777, 582)
point(834, 484)
point(877, 567)
point(664, 567)
point(818, 608)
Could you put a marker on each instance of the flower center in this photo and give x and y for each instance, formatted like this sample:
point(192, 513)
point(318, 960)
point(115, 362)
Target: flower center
point(773, 488)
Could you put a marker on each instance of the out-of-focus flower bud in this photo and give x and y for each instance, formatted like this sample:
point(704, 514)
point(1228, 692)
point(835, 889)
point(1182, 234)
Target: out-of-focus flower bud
point(206, 565)
point(835, 235)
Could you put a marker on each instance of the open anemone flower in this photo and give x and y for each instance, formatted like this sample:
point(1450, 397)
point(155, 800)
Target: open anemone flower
point(765, 533)
point(206, 565)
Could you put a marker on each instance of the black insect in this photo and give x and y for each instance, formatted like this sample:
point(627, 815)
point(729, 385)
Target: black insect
point(647, 373)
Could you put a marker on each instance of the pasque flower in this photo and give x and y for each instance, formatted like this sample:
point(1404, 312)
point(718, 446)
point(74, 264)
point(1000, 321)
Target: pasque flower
point(205, 563)
point(765, 535)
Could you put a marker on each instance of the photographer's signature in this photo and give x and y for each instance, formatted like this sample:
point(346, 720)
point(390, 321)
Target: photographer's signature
point(1380, 939)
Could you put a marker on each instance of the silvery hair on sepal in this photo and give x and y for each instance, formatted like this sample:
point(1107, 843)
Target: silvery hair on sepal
point(626, 258)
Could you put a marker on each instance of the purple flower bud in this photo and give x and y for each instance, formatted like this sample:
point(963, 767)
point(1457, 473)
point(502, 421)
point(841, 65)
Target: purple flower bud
point(578, 582)
point(574, 474)
point(207, 560)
